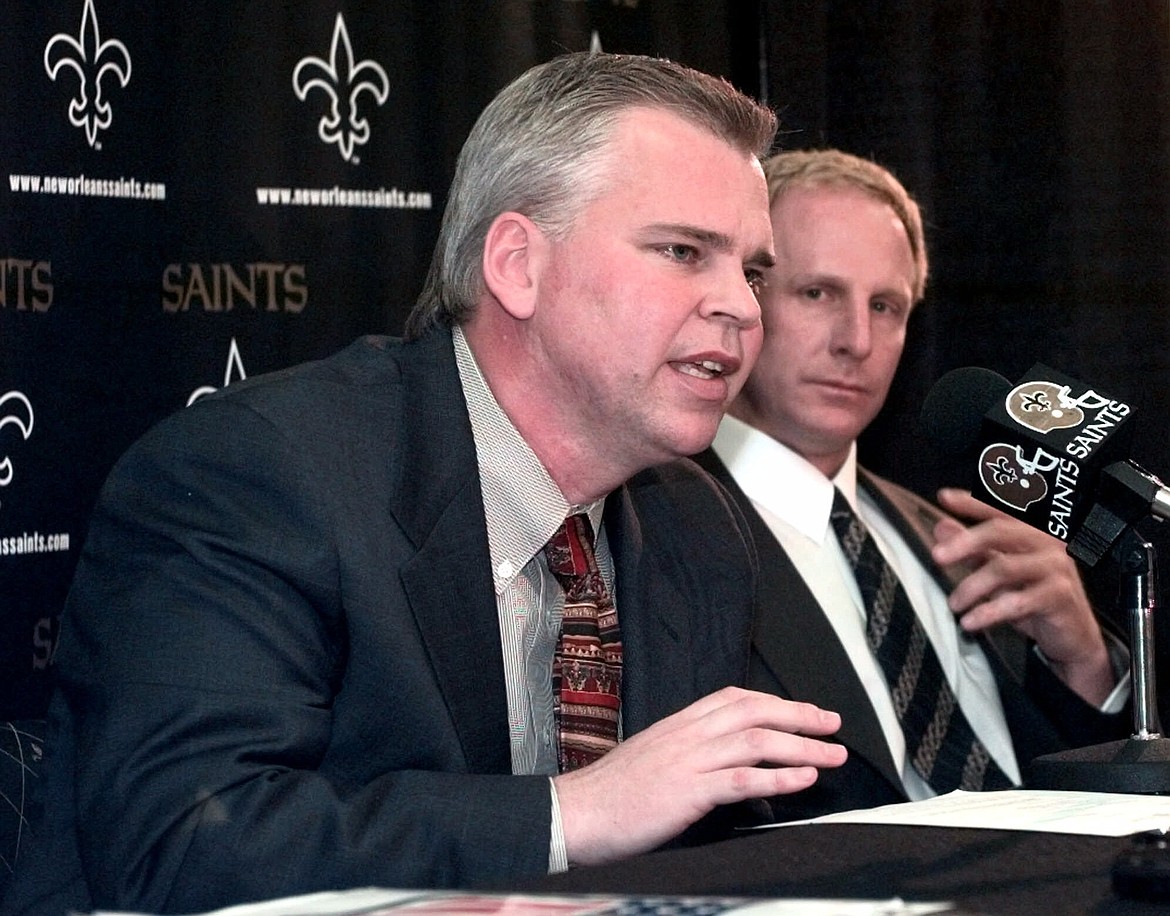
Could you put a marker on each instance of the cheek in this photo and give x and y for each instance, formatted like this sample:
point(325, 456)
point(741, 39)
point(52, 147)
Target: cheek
point(892, 356)
point(786, 319)
point(753, 344)
point(771, 376)
point(789, 343)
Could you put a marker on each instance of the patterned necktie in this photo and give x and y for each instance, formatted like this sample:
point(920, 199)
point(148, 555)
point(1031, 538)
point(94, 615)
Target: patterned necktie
point(587, 666)
point(941, 744)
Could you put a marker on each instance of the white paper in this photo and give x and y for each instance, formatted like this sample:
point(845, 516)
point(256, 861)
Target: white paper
point(1046, 811)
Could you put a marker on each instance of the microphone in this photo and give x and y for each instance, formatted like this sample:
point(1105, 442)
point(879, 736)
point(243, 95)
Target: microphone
point(953, 410)
point(1048, 450)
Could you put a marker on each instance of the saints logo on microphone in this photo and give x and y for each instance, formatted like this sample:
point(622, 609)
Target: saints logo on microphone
point(1019, 482)
point(1013, 479)
point(1042, 447)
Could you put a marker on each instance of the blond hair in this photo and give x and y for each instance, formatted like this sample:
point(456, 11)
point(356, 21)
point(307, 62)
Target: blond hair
point(834, 168)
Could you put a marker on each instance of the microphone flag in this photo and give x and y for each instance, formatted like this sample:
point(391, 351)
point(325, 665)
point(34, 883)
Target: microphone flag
point(1042, 447)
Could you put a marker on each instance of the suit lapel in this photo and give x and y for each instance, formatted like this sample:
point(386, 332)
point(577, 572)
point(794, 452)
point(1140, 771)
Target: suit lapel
point(915, 518)
point(684, 631)
point(653, 645)
point(448, 582)
point(794, 641)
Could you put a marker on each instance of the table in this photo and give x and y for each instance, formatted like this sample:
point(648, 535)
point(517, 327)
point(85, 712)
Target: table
point(983, 871)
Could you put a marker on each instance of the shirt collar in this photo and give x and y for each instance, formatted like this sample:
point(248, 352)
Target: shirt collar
point(778, 479)
point(523, 506)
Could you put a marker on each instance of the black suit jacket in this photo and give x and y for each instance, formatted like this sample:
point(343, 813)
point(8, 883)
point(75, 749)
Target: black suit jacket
point(280, 667)
point(796, 654)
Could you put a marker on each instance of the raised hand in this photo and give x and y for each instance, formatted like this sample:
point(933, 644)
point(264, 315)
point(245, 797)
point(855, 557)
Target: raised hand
point(1024, 577)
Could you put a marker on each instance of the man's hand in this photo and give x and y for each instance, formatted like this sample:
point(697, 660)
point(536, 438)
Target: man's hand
point(1024, 577)
point(730, 746)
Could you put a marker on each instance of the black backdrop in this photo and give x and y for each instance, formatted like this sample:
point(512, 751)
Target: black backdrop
point(1036, 136)
point(1034, 132)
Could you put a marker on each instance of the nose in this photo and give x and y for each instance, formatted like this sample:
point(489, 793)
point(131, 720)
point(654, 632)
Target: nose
point(732, 299)
point(852, 335)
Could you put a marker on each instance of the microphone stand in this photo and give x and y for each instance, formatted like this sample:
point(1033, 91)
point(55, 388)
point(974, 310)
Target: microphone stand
point(1139, 764)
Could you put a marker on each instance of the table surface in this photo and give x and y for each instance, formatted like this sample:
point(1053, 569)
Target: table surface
point(981, 871)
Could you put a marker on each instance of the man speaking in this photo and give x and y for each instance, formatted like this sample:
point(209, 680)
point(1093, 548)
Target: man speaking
point(410, 616)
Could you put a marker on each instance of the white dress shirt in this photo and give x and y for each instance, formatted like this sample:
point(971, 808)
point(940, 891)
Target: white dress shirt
point(523, 508)
point(795, 500)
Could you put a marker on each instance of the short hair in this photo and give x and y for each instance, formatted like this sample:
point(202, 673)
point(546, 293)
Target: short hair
point(537, 149)
point(834, 168)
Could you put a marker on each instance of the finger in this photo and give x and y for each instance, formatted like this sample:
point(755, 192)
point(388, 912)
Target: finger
point(759, 745)
point(700, 709)
point(733, 710)
point(1026, 608)
point(954, 542)
point(1005, 530)
point(733, 785)
point(977, 586)
point(752, 709)
point(1003, 608)
point(775, 748)
point(750, 746)
point(963, 504)
point(948, 528)
point(998, 535)
point(1002, 573)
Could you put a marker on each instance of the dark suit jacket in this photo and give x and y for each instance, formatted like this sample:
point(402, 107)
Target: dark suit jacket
point(796, 654)
point(280, 667)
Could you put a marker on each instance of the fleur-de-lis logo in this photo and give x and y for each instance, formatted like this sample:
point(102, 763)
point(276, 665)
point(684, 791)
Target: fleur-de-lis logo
point(1001, 471)
point(1011, 478)
point(94, 61)
point(15, 410)
point(233, 371)
point(342, 80)
point(1037, 400)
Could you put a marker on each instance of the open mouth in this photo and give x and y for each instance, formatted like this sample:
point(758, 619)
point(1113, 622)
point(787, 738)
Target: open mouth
point(704, 369)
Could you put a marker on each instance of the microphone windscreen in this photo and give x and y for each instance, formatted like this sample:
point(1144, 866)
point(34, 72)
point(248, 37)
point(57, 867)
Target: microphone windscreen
point(952, 414)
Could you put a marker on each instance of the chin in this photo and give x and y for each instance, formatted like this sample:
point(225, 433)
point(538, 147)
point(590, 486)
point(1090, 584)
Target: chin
point(687, 433)
point(692, 445)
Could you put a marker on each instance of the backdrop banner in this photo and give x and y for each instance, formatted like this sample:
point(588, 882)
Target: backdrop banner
point(197, 193)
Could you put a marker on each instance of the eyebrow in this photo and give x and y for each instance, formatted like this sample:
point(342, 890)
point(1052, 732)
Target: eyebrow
point(720, 241)
point(838, 283)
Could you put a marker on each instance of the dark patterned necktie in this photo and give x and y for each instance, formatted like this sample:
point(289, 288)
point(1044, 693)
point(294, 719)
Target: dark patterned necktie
point(941, 744)
point(587, 666)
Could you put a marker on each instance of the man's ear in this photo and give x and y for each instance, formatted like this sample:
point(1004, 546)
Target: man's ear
point(513, 252)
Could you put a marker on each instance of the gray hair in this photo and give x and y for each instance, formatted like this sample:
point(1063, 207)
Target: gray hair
point(537, 149)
